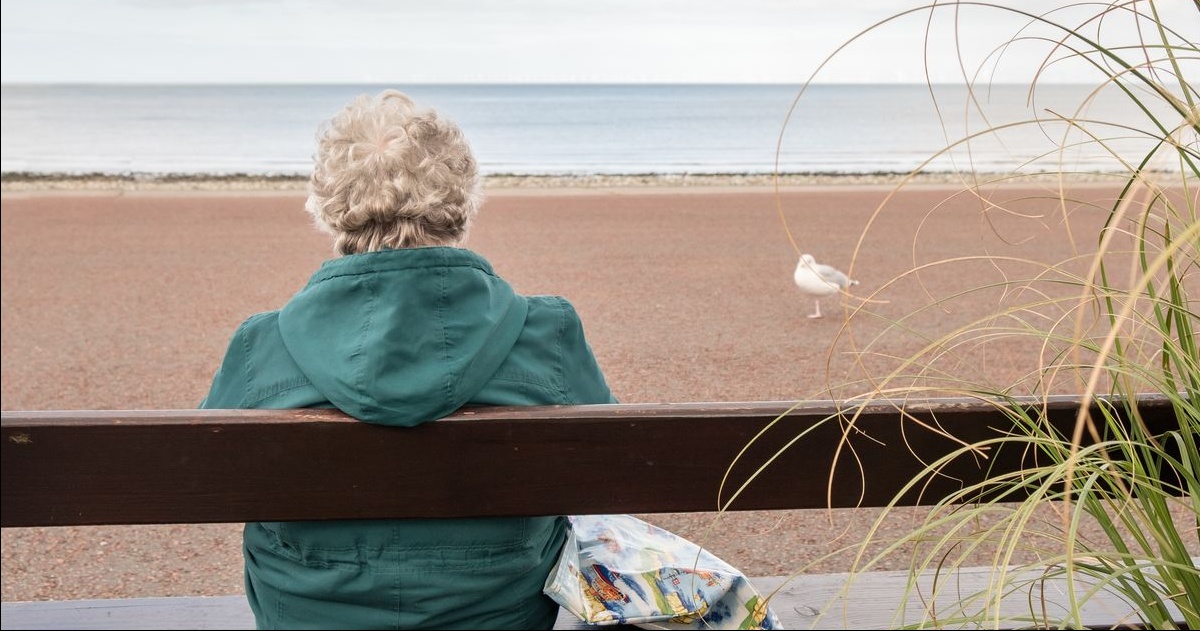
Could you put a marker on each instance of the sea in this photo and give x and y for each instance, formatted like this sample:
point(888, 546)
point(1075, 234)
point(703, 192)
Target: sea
point(580, 129)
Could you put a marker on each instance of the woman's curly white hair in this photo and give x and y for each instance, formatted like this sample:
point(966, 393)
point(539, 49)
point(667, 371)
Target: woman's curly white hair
point(387, 175)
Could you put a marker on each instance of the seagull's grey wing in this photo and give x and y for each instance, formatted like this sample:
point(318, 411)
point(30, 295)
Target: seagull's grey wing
point(832, 275)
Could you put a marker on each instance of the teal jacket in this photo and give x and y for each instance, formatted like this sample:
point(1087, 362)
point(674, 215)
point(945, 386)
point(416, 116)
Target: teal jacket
point(403, 337)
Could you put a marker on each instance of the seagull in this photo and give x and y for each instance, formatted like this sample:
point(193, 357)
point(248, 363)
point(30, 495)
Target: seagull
point(819, 280)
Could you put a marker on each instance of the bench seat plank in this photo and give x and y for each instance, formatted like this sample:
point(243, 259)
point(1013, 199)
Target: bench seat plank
point(814, 601)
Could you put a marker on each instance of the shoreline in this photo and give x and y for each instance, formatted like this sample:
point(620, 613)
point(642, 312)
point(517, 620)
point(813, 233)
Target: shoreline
point(20, 182)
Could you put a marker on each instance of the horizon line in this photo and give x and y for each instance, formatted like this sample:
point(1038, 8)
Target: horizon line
point(7, 84)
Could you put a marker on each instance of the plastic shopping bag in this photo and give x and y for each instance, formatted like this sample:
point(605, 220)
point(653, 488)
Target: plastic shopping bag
point(618, 569)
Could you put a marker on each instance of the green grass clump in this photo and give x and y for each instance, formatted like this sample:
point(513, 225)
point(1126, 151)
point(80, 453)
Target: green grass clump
point(1111, 322)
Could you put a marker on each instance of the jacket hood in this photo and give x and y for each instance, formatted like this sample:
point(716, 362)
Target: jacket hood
point(401, 337)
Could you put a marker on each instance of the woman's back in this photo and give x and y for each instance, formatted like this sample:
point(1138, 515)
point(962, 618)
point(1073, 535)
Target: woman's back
point(404, 329)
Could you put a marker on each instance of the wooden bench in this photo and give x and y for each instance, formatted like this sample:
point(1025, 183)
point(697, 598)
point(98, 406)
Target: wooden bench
point(63, 468)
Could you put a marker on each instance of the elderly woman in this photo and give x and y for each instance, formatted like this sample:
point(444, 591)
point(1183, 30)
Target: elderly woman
point(404, 328)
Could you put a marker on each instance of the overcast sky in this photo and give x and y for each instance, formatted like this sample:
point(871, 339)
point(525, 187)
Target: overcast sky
point(486, 41)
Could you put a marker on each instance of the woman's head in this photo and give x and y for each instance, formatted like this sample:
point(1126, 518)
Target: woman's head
point(387, 175)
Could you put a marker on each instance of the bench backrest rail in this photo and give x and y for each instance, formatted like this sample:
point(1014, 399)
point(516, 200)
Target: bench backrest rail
point(64, 468)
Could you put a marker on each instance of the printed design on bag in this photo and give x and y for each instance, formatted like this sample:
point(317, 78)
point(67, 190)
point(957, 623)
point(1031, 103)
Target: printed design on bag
point(617, 569)
point(669, 585)
point(601, 585)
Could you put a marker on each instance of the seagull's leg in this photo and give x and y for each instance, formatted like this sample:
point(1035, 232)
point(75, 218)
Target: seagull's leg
point(817, 311)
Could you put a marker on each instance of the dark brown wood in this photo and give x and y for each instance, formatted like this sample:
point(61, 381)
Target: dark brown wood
point(193, 466)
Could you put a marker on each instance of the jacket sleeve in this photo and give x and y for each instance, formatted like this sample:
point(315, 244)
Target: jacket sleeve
point(583, 379)
point(228, 390)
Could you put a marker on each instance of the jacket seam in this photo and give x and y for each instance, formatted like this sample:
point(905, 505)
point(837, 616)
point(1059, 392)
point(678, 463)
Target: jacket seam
point(442, 263)
point(558, 348)
point(278, 389)
point(520, 376)
point(448, 382)
point(359, 357)
point(249, 366)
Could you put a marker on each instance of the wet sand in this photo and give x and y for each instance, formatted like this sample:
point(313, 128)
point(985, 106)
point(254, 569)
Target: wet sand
point(120, 299)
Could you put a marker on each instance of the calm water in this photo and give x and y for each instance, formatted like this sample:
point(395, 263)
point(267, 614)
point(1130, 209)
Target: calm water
point(545, 129)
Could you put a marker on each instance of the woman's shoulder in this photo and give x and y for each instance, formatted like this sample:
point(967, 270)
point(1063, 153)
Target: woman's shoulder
point(557, 305)
point(257, 324)
point(553, 353)
point(554, 311)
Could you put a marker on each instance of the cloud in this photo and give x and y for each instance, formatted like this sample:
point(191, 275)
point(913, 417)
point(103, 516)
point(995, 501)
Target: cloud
point(492, 41)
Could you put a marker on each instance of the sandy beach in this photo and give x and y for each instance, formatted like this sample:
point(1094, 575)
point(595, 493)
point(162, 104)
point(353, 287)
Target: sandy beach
point(120, 297)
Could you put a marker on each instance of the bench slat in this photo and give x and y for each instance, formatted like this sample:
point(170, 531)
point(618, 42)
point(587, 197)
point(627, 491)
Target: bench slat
point(817, 601)
point(217, 466)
